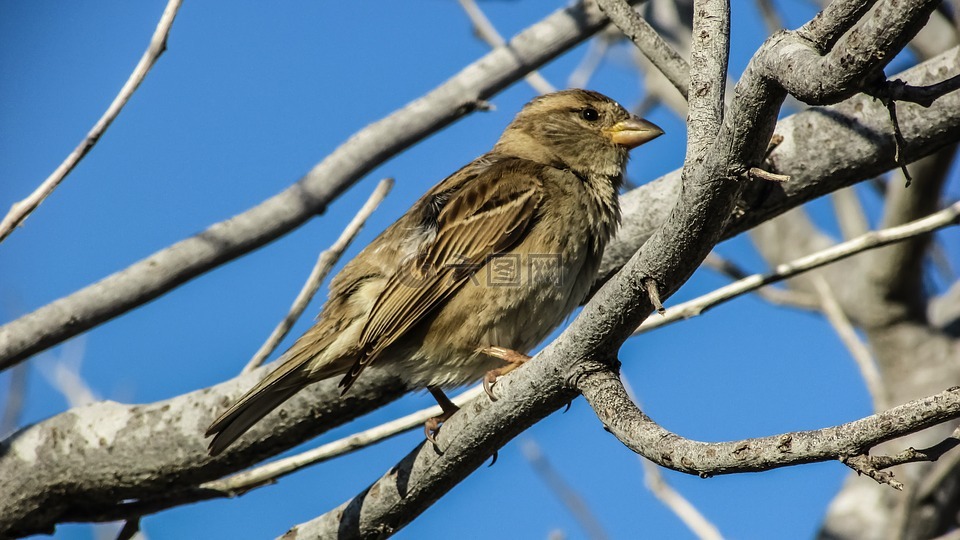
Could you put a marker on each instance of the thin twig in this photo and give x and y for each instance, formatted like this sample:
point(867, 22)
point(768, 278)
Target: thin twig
point(563, 490)
point(488, 33)
point(158, 44)
point(658, 51)
point(777, 297)
point(596, 50)
point(269, 473)
point(671, 498)
point(771, 19)
point(873, 466)
point(848, 335)
point(938, 220)
point(898, 90)
point(324, 264)
point(900, 142)
point(756, 173)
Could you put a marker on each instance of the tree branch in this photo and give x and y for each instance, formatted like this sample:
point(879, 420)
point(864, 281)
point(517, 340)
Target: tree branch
point(658, 51)
point(324, 264)
point(605, 393)
point(158, 44)
point(872, 240)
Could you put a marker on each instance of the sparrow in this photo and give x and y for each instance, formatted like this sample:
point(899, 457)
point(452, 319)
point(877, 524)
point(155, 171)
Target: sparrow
point(482, 268)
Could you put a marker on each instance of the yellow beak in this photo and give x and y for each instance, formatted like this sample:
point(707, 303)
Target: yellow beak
point(633, 132)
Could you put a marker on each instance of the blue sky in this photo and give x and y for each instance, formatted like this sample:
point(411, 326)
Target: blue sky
point(248, 97)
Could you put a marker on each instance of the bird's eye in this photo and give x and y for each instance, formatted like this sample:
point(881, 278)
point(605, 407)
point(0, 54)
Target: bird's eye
point(589, 114)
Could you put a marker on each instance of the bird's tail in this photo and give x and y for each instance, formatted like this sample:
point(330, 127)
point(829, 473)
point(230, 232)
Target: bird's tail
point(280, 385)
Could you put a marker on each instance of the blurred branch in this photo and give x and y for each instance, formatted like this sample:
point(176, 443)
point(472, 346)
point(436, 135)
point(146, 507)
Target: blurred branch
point(677, 503)
point(896, 273)
point(486, 31)
point(872, 240)
point(848, 335)
point(324, 264)
point(63, 373)
point(596, 50)
point(671, 498)
point(563, 490)
point(850, 216)
point(13, 406)
point(771, 19)
point(158, 44)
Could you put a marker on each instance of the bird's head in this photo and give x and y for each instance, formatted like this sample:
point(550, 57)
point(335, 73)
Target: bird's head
point(580, 130)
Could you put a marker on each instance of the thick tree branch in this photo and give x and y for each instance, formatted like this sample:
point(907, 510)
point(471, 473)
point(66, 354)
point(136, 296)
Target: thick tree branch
point(605, 393)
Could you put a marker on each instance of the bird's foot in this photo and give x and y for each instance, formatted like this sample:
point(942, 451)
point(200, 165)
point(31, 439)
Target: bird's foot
point(432, 426)
point(513, 359)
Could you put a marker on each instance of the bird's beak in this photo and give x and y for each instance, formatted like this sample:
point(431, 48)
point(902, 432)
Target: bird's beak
point(633, 132)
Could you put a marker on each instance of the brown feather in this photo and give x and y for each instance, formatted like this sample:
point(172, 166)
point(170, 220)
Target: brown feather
point(481, 219)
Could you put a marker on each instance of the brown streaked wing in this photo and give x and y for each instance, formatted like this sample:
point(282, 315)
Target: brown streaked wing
point(482, 219)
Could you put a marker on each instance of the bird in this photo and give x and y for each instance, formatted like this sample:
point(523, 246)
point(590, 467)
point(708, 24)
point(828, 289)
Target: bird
point(478, 271)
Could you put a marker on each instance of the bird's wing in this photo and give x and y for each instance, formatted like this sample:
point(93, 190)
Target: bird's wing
point(482, 218)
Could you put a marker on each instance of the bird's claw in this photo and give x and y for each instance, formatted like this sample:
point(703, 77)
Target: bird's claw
point(489, 380)
point(431, 427)
point(513, 359)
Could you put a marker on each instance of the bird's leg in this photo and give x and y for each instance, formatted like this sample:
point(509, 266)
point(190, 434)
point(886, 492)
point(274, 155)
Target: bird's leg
point(432, 426)
point(513, 359)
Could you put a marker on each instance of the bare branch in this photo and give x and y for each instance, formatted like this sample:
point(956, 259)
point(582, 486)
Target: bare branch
point(269, 473)
point(857, 59)
point(605, 393)
point(872, 240)
point(658, 51)
point(897, 90)
point(486, 31)
point(324, 264)
point(671, 498)
point(567, 495)
point(709, 54)
point(158, 44)
point(848, 335)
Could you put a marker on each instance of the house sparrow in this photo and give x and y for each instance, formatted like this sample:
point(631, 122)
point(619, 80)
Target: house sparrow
point(478, 271)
